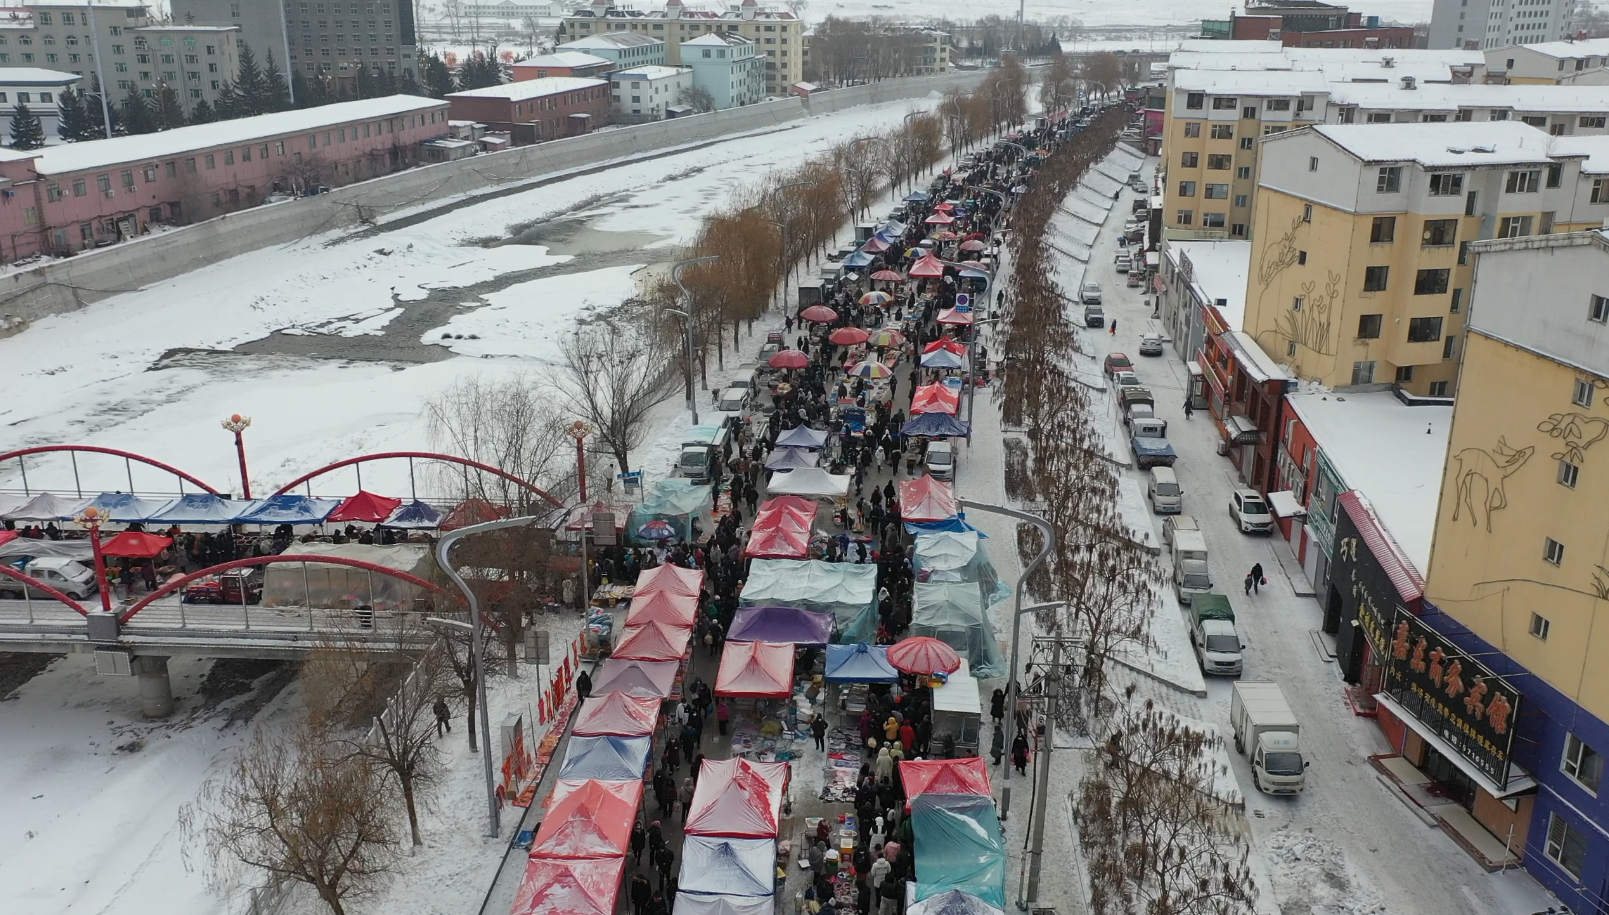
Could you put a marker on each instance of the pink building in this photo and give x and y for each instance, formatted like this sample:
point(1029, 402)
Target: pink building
point(68, 198)
point(537, 110)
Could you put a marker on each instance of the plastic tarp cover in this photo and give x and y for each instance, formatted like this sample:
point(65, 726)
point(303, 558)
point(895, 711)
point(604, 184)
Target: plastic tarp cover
point(366, 507)
point(689, 904)
point(124, 508)
point(680, 610)
point(737, 798)
point(653, 642)
point(942, 359)
point(44, 507)
point(135, 545)
point(958, 556)
point(606, 758)
point(202, 508)
point(617, 714)
point(935, 425)
point(680, 503)
point(586, 886)
point(802, 437)
point(927, 499)
point(859, 663)
point(846, 590)
point(671, 579)
point(945, 776)
point(792, 459)
point(79, 550)
point(640, 678)
point(958, 847)
point(727, 867)
point(414, 516)
point(949, 902)
point(287, 509)
point(953, 613)
point(11, 503)
point(755, 669)
point(935, 398)
point(334, 587)
point(782, 529)
point(810, 482)
point(957, 524)
point(591, 820)
point(790, 625)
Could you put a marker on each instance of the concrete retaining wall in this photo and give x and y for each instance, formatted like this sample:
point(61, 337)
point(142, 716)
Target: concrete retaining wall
point(68, 284)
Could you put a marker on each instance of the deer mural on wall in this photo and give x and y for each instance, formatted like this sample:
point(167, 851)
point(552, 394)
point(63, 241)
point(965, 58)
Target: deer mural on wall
point(1480, 479)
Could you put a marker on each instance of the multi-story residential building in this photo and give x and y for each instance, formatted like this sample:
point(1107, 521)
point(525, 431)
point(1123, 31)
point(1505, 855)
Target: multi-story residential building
point(562, 63)
point(1487, 24)
point(622, 48)
point(1361, 276)
point(326, 39)
point(875, 50)
point(644, 93)
point(728, 67)
point(195, 60)
point(1543, 64)
point(1559, 110)
point(1307, 24)
point(38, 89)
point(777, 35)
point(536, 110)
point(1517, 572)
point(511, 11)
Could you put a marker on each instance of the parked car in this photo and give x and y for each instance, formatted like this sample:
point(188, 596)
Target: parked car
point(68, 576)
point(1248, 510)
point(1090, 294)
point(1116, 362)
point(1124, 378)
point(1151, 345)
point(1094, 316)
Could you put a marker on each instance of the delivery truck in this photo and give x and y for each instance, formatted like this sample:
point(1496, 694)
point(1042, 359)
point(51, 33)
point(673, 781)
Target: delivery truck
point(1213, 635)
point(1266, 730)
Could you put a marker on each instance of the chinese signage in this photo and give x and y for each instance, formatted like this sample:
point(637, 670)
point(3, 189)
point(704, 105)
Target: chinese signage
point(1186, 269)
point(1461, 699)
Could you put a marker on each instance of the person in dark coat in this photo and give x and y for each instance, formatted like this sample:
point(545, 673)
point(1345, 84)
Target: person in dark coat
point(665, 863)
point(818, 729)
point(1019, 754)
point(656, 841)
point(642, 892)
point(997, 705)
point(997, 744)
point(639, 840)
point(583, 685)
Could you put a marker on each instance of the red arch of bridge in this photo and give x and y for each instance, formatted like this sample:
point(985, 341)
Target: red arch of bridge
point(35, 583)
point(180, 582)
point(422, 455)
point(92, 449)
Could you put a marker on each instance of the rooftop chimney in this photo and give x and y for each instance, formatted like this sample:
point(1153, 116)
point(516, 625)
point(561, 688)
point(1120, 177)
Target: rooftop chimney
point(1388, 62)
point(1409, 82)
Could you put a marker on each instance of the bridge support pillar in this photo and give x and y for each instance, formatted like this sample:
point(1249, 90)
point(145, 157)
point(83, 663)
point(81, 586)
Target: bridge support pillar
point(156, 690)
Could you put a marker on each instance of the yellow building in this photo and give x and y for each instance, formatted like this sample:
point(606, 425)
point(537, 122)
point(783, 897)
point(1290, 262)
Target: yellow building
point(1360, 276)
point(1547, 62)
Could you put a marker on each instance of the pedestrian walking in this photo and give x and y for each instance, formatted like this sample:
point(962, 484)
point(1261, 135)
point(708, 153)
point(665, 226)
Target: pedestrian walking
point(639, 841)
point(1189, 408)
point(1113, 330)
point(818, 728)
point(997, 744)
point(997, 705)
point(444, 716)
point(583, 685)
point(1257, 578)
point(641, 892)
point(1019, 754)
point(665, 863)
point(723, 714)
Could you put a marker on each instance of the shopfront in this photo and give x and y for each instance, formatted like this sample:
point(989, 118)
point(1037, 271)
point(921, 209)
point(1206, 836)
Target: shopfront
point(1370, 581)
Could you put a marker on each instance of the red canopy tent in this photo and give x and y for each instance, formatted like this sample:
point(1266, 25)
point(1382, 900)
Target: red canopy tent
point(950, 343)
point(135, 545)
point(591, 820)
point(617, 715)
point(576, 886)
point(366, 507)
point(755, 669)
point(928, 266)
point(936, 398)
point(662, 607)
point(940, 219)
point(945, 776)
point(927, 499)
point(954, 316)
point(673, 579)
point(653, 642)
point(472, 511)
point(782, 529)
point(737, 798)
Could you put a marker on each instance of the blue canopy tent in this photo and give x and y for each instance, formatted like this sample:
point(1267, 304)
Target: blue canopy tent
point(287, 509)
point(202, 508)
point(123, 508)
point(955, 524)
point(606, 758)
point(859, 663)
point(802, 437)
point(792, 459)
point(858, 259)
point(959, 847)
point(943, 359)
point(935, 425)
point(415, 516)
point(716, 866)
point(917, 197)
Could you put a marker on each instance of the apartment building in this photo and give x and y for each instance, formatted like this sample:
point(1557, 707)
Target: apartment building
point(561, 63)
point(623, 48)
point(644, 93)
point(1361, 278)
point(536, 110)
point(728, 67)
point(1487, 24)
point(1558, 110)
point(326, 38)
point(37, 88)
point(777, 35)
point(1552, 62)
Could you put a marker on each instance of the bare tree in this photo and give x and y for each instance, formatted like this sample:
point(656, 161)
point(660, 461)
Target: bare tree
point(696, 97)
point(613, 373)
point(1103, 72)
point(511, 423)
point(297, 808)
point(460, 662)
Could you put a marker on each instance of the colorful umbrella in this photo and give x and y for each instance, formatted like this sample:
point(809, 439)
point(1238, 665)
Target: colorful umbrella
point(848, 336)
point(656, 530)
point(870, 369)
point(819, 314)
point(923, 655)
point(790, 359)
point(888, 276)
point(973, 245)
point(945, 235)
point(876, 298)
point(888, 336)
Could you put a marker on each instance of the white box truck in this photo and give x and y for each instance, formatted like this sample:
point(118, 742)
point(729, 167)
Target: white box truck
point(1267, 731)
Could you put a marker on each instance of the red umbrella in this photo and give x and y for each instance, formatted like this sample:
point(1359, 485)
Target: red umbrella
point(819, 314)
point(973, 245)
point(848, 336)
point(790, 359)
point(923, 655)
point(888, 276)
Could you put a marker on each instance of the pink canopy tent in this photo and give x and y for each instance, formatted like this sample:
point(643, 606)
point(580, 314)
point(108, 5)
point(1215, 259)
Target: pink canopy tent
point(945, 776)
point(755, 669)
point(950, 343)
point(936, 398)
point(737, 798)
point(574, 886)
point(673, 579)
point(617, 715)
point(954, 316)
point(639, 678)
point(927, 499)
point(653, 642)
point(365, 507)
point(782, 529)
point(592, 819)
point(928, 266)
point(662, 607)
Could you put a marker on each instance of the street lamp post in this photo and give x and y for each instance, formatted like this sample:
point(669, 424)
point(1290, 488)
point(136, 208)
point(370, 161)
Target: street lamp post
point(579, 431)
point(238, 424)
point(92, 519)
point(686, 311)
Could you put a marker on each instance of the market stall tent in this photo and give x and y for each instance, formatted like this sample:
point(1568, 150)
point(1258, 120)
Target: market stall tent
point(334, 587)
point(679, 610)
point(945, 776)
point(927, 499)
point(592, 820)
point(689, 904)
point(859, 663)
point(935, 425)
point(720, 866)
point(365, 507)
point(617, 714)
point(789, 625)
point(846, 590)
point(811, 482)
point(680, 503)
point(737, 798)
point(123, 508)
point(606, 758)
point(44, 507)
point(949, 902)
point(792, 459)
point(414, 516)
point(959, 847)
point(936, 398)
point(584, 886)
point(202, 508)
point(958, 556)
point(669, 578)
point(288, 509)
point(782, 529)
point(953, 613)
point(755, 669)
point(135, 545)
point(802, 437)
point(640, 678)
point(653, 642)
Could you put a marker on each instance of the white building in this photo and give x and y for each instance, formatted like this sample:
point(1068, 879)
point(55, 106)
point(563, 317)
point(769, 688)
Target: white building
point(643, 93)
point(626, 49)
point(39, 90)
point(727, 66)
point(1559, 110)
point(1547, 63)
point(1487, 24)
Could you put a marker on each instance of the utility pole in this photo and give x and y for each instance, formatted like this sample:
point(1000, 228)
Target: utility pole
point(1030, 887)
point(687, 316)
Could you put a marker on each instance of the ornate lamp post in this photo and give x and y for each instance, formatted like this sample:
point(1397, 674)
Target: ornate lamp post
point(238, 424)
point(93, 519)
point(579, 431)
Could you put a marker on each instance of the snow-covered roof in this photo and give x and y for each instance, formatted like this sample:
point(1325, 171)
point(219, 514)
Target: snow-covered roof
point(650, 72)
point(1441, 144)
point(1253, 359)
point(717, 40)
point(1336, 63)
point(1218, 270)
point(1595, 149)
point(531, 88)
point(570, 59)
point(187, 28)
point(1249, 82)
point(1391, 452)
point(1438, 97)
point(611, 40)
point(1589, 47)
point(74, 157)
point(35, 76)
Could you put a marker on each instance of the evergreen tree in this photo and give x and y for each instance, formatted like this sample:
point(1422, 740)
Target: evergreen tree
point(203, 113)
point(229, 104)
point(384, 83)
point(365, 83)
point(26, 131)
point(276, 94)
point(72, 122)
point(168, 110)
point(250, 85)
point(408, 85)
point(95, 114)
point(138, 116)
point(438, 79)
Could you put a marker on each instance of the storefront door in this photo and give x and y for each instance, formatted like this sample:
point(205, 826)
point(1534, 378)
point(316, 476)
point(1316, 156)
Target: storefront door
point(1450, 780)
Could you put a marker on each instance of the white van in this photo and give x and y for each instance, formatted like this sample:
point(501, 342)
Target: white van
point(735, 400)
point(941, 460)
point(1190, 575)
point(1164, 492)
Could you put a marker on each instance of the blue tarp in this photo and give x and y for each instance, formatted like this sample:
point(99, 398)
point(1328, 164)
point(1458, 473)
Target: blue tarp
point(858, 259)
point(203, 508)
point(859, 663)
point(123, 508)
point(943, 359)
point(714, 866)
point(288, 509)
point(951, 902)
point(936, 425)
point(606, 758)
point(802, 437)
point(415, 516)
point(958, 847)
point(955, 524)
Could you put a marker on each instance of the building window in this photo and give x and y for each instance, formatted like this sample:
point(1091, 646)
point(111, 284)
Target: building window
point(1248, 112)
point(1225, 103)
point(1192, 129)
point(210, 160)
point(1312, 163)
point(1598, 309)
point(1446, 184)
point(1404, 374)
point(1212, 220)
point(1555, 172)
point(1514, 227)
point(1246, 142)
point(1440, 232)
point(1540, 625)
point(1186, 217)
point(1195, 100)
point(1424, 330)
point(1600, 190)
point(1191, 160)
point(79, 187)
point(1219, 162)
point(1374, 278)
point(1581, 762)
point(1431, 282)
point(1278, 104)
point(1389, 180)
point(53, 193)
point(1552, 551)
point(1369, 326)
point(1301, 258)
point(1523, 182)
point(1187, 188)
point(1581, 396)
point(1383, 230)
point(1217, 192)
point(1568, 473)
point(1363, 372)
point(1449, 346)
point(1243, 172)
point(1307, 212)
point(1590, 123)
point(1438, 389)
point(1237, 230)
point(1223, 131)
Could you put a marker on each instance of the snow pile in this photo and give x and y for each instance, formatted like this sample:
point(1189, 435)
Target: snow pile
point(1311, 875)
